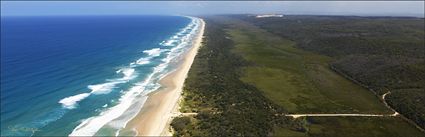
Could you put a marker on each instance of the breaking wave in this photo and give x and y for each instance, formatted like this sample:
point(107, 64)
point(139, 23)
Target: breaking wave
point(132, 100)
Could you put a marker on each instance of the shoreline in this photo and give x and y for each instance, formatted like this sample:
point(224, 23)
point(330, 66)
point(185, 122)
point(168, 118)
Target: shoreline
point(157, 112)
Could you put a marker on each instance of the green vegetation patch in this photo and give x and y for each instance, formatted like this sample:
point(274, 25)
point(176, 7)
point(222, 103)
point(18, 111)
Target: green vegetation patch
point(360, 127)
point(411, 103)
point(380, 53)
point(299, 81)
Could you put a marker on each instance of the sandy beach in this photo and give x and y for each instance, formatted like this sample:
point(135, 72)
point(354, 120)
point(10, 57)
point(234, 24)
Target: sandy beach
point(157, 112)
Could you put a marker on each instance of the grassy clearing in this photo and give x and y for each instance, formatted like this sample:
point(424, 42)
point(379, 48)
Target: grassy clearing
point(302, 82)
point(382, 53)
point(297, 80)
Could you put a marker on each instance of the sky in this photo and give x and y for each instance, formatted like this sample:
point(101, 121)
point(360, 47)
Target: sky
point(361, 8)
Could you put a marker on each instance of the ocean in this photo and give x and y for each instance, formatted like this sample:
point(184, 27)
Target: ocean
point(84, 75)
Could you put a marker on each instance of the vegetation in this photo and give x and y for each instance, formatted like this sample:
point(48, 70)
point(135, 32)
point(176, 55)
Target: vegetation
point(381, 53)
point(226, 106)
point(298, 80)
point(360, 127)
point(244, 79)
point(353, 127)
point(406, 101)
point(180, 124)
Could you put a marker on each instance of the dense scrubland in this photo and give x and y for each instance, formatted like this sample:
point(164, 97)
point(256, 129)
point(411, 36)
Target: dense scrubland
point(381, 53)
point(245, 78)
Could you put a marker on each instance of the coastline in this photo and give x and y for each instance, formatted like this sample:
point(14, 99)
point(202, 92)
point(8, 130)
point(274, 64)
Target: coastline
point(157, 112)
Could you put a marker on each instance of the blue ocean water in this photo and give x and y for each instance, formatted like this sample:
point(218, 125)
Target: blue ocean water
point(84, 75)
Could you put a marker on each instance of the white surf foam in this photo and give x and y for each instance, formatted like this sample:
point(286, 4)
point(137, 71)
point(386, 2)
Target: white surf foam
point(119, 115)
point(178, 37)
point(142, 61)
point(90, 126)
point(129, 73)
point(169, 42)
point(70, 102)
point(153, 52)
point(103, 88)
point(146, 60)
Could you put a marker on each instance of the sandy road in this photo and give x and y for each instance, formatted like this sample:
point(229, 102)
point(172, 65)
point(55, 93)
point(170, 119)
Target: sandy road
point(341, 115)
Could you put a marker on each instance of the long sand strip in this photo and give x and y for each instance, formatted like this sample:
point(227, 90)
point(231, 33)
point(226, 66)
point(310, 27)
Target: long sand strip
point(158, 110)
